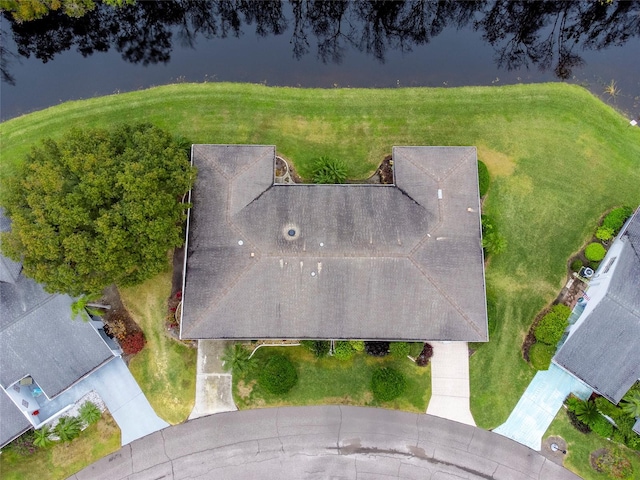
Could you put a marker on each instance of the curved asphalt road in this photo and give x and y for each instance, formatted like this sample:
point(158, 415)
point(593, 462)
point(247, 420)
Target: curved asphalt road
point(335, 442)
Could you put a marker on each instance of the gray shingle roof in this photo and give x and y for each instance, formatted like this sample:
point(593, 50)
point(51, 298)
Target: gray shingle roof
point(604, 351)
point(12, 420)
point(39, 338)
point(366, 261)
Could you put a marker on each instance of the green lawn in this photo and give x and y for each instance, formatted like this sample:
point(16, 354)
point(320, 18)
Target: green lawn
point(62, 460)
point(330, 381)
point(165, 369)
point(558, 156)
point(580, 445)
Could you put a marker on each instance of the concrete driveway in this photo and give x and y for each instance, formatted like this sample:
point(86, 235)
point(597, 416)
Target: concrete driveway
point(324, 442)
point(213, 384)
point(450, 382)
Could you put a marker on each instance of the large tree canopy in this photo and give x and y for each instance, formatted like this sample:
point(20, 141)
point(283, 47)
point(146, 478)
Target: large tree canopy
point(98, 207)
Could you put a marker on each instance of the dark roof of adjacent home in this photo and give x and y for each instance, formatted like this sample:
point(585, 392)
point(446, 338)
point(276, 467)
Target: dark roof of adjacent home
point(387, 262)
point(604, 351)
point(9, 269)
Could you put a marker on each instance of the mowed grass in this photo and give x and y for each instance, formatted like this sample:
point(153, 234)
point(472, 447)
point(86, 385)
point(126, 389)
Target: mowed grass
point(558, 156)
point(329, 381)
point(62, 460)
point(580, 446)
point(165, 369)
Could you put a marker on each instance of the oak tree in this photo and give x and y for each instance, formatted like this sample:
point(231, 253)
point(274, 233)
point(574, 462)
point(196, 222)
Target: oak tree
point(98, 207)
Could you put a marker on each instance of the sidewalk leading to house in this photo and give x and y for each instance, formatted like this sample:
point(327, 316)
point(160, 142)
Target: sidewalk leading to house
point(539, 405)
point(450, 382)
point(213, 384)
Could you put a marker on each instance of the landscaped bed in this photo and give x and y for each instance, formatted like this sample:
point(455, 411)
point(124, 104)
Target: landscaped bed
point(331, 381)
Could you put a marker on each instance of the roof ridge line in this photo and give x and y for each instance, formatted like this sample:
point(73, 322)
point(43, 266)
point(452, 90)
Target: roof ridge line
point(444, 294)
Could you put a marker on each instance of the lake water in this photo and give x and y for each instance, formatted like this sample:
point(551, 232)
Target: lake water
point(335, 44)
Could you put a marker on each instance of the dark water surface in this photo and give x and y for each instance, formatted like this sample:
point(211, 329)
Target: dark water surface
point(322, 44)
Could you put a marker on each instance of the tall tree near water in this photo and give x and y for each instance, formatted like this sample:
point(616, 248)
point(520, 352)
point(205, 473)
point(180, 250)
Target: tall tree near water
point(98, 207)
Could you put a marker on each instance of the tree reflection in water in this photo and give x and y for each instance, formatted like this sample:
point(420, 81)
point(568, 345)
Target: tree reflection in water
point(544, 34)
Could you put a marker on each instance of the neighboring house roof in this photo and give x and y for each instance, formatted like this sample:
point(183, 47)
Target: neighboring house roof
point(388, 262)
point(38, 338)
point(9, 269)
point(604, 351)
point(43, 341)
point(12, 421)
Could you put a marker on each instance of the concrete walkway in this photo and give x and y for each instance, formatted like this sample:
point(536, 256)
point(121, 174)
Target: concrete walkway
point(450, 382)
point(539, 405)
point(324, 442)
point(213, 384)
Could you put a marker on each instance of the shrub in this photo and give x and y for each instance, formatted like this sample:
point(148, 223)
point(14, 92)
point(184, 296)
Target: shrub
point(552, 325)
point(68, 428)
point(604, 233)
point(602, 427)
point(42, 437)
point(483, 178)
point(595, 252)
point(357, 345)
point(615, 218)
point(329, 170)
point(24, 446)
point(319, 348)
point(425, 356)
point(343, 350)
point(133, 343)
point(90, 413)
point(399, 349)
point(278, 375)
point(377, 349)
point(415, 348)
point(576, 265)
point(606, 407)
point(387, 383)
point(540, 355)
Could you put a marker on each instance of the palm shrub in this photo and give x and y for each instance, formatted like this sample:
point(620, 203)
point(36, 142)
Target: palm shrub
point(68, 428)
point(42, 437)
point(399, 349)
point(595, 252)
point(343, 350)
point(329, 170)
point(387, 383)
point(236, 359)
point(631, 403)
point(89, 413)
point(552, 325)
point(278, 375)
point(587, 412)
